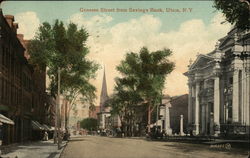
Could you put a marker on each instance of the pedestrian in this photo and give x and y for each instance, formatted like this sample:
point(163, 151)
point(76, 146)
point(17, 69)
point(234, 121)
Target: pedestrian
point(45, 137)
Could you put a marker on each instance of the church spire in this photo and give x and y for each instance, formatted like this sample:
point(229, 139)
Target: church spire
point(104, 92)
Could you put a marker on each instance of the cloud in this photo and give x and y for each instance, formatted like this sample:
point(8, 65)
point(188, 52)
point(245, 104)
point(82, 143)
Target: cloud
point(109, 45)
point(28, 23)
point(93, 24)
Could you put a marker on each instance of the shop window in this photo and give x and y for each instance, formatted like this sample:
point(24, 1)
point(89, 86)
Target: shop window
point(231, 80)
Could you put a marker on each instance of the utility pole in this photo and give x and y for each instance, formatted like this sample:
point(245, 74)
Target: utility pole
point(58, 111)
point(57, 115)
point(157, 115)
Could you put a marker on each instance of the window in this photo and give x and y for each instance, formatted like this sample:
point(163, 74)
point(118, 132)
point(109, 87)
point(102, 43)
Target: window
point(231, 80)
point(230, 111)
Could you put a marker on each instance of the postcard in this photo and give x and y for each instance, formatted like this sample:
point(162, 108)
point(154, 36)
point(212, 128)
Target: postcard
point(124, 79)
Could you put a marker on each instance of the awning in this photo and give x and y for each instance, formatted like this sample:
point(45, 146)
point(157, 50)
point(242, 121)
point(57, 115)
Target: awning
point(36, 125)
point(46, 127)
point(6, 120)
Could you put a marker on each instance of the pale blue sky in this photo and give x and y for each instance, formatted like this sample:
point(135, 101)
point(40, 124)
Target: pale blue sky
point(49, 11)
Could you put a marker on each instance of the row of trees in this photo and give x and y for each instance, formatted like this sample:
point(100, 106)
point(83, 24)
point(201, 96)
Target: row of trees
point(139, 89)
point(62, 48)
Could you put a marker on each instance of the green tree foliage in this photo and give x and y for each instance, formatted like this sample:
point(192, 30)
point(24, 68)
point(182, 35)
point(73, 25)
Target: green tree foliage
point(58, 46)
point(142, 81)
point(235, 11)
point(90, 124)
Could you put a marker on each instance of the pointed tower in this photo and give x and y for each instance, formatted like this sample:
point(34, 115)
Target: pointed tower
point(104, 93)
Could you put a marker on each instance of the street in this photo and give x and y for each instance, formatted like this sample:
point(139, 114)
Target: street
point(106, 147)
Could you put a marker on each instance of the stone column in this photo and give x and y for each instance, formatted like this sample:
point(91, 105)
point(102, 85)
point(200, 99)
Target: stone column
point(243, 96)
point(247, 94)
point(217, 103)
point(190, 104)
point(168, 130)
point(197, 110)
point(193, 104)
point(236, 96)
point(181, 126)
point(203, 120)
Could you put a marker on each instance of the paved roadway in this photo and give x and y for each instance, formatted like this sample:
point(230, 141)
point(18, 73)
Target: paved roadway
point(106, 147)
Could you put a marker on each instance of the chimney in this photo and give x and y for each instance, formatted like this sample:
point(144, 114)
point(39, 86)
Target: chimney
point(15, 27)
point(10, 20)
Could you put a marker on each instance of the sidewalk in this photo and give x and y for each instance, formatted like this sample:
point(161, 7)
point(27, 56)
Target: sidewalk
point(39, 149)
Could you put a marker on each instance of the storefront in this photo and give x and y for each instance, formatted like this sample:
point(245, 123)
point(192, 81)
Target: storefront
point(5, 124)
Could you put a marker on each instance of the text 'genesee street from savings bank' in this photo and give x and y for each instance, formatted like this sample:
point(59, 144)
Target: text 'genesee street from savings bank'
point(137, 10)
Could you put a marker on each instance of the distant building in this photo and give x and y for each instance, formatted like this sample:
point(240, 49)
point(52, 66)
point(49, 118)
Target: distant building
point(164, 117)
point(170, 112)
point(112, 122)
point(50, 111)
point(104, 111)
point(78, 112)
point(179, 106)
point(219, 85)
point(93, 112)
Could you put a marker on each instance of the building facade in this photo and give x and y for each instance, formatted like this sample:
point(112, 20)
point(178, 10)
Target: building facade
point(94, 111)
point(15, 79)
point(22, 86)
point(179, 106)
point(164, 115)
point(219, 85)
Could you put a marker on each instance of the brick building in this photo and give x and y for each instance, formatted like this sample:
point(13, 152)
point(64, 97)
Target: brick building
point(22, 86)
point(15, 82)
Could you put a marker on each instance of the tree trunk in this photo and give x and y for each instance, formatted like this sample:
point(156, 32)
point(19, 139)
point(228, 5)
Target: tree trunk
point(149, 117)
point(66, 116)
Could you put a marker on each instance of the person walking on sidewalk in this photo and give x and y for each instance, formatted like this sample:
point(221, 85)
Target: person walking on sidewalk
point(46, 136)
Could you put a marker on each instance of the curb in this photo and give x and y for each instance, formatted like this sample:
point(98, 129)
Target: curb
point(61, 150)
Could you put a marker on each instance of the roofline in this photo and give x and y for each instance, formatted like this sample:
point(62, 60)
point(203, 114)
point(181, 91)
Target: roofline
point(199, 56)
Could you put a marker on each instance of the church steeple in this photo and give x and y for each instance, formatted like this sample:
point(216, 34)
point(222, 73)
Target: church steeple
point(104, 92)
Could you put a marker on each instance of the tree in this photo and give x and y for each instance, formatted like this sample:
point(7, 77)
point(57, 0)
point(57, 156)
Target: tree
point(59, 47)
point(235, 11)
point(89, 124)
point(143, 78)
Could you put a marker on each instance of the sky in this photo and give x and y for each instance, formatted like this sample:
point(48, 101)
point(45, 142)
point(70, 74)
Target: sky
point(194, 30)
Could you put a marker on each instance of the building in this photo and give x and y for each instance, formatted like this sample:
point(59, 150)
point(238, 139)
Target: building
point(179, 106)
point(22, 86)
point(50, 112)
point(93, 112)
point(164, 117)
point(77, 112)
point(219, 87)
point(40, 99)
point(104, 111)
point(170, 112)
point(15, 83)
